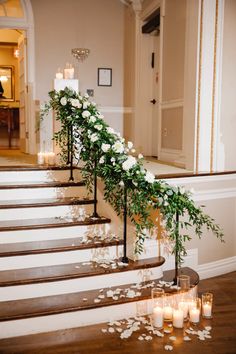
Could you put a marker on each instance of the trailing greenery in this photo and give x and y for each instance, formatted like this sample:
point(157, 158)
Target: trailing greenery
point(105, 152)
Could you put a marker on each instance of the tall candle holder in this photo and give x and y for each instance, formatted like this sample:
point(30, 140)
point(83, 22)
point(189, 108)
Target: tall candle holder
point(158, 296)
point(183, 282)
point(195, 311)
point(207, 302)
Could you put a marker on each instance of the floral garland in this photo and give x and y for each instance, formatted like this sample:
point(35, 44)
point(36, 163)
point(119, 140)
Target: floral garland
point(105, 152)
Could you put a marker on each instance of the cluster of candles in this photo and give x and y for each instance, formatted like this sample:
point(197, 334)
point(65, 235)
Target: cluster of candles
point(46, 158)
point(68, 73)
point(180, 307)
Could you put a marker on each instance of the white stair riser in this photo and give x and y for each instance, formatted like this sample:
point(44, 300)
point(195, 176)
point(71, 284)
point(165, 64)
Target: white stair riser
point(36, 193)
point(45, 212)
point(45, 175)
point(47, 259)
point(51, 233)
point(75, 285)
point(50, 323)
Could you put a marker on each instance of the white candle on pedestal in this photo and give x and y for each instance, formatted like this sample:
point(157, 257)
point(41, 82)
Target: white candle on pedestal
point(206, 310)
point(158, 317)
point(194, 315)
point(40, 158)
point(59, 75)
point(183, 305)
point(178, 318)
point(168, 312)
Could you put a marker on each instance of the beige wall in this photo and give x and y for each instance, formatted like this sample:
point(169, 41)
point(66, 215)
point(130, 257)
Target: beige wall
point(174, 49)
point(228, 107)
point(62, 25)
point(7, 58)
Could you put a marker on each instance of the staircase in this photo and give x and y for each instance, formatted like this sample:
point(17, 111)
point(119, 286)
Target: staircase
point(59, 267)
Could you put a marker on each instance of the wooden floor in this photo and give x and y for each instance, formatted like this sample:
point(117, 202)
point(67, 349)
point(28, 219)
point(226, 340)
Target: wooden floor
point(91, 340)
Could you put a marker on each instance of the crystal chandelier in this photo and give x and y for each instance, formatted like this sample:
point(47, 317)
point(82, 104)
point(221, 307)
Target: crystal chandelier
point(80, 53)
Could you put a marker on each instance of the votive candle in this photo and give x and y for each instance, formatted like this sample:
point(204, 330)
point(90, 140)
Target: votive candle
point(178, 318)
point(158, 317)
point(183, 305)
point(40, 158)
point(194, 315)
point(168, 313)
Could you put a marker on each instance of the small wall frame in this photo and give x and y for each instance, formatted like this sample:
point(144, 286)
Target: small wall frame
point(104, 77)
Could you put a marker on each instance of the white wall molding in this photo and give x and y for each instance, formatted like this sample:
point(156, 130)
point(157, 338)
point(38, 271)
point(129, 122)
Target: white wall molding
point(213, 269)
point(204, 179)
point(116, 109)
point(172, 103)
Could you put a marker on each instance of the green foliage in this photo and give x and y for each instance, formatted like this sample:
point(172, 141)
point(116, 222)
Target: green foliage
point(105, 153)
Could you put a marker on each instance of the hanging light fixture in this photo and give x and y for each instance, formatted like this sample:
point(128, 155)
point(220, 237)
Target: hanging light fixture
point(80, 53)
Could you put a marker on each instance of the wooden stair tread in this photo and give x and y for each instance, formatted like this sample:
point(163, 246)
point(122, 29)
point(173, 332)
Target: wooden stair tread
point(42, 223)
point(49, 305)
point(43, 202)
point(50, 246)
point(39, 184)
point(69, 271)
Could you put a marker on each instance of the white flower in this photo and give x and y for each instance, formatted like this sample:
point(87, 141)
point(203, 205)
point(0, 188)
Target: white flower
point(93, 104)
point(75, 103)
point(121, 183)
point(113, 159)
point(92, 119)
point(86, 114)
point(98, 126)
point(149, 177)
point(110, 130)
point(102, 160)
point(94, 137)
point(86, 95)
point(140, 156)
point(105, 147)
point(129, 163)
point(130, 144)
point(86, 104)
point(63, 101)
point(99, 115)
point(118, 147)
point(182, 190)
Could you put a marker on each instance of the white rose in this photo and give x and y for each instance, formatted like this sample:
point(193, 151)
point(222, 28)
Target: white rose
point(129, 163)
point(98, 126)
point(130, 144)
point(102, 160)
point(105, 147)
point(113, 159)
point(140, 156)
point(118, 147)
point(110, 130)
point(149, 177)
point(63, 101)
point(86, 114)
point(85, 105)
point(94, 137)
point(100, 116)
point(92, 119)
point(182, 190)
point(75, 103)
point(121, 183)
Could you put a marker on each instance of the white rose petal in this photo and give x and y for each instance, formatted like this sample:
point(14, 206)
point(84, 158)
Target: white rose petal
point(129, 163)
point(63, 101)
point(86, 114)
point(105, 147)
point(149, 177)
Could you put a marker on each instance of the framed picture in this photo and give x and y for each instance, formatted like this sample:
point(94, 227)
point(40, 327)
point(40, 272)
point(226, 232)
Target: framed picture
point(7, 87)
point(104, 77)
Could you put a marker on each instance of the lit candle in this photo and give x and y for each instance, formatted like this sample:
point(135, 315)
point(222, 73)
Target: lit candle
point(191, 304)
point(40, 158)
point(178, 318)
point(168, 312)
point(158, 317)
point(206, 310)
point(59, 75)
point(194, 315)
point(183, 305)
point(69, 72)
point(51, 158)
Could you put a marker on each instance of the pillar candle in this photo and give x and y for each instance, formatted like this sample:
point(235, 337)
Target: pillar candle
point(183, 305)
point(178, 318)
point(59, 75)
point(194, 315)
point(206, 310)
point(40, 158)
point(158, 317)
point(168, 312)
point(51, 158)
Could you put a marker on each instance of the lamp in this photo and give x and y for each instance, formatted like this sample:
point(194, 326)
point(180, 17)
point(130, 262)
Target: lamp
point(80, 53)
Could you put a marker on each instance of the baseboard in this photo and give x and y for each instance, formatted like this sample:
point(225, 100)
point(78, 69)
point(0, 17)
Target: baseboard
point(213, 269)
